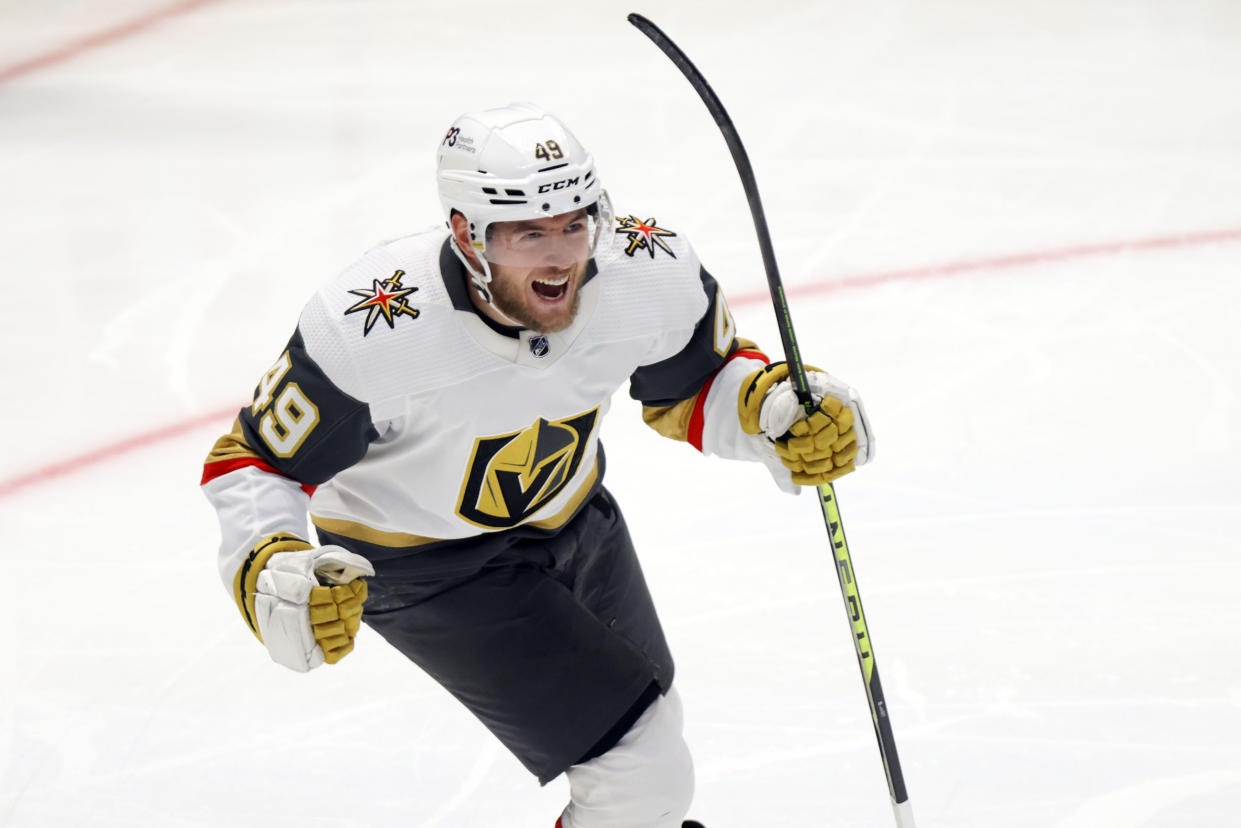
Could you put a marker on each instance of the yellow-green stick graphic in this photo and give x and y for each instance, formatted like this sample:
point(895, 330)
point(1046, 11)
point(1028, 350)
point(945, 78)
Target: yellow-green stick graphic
point(797, 375)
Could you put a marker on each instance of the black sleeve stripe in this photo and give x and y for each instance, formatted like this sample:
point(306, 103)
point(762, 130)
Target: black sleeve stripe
point(682, 375)
point(339, 439)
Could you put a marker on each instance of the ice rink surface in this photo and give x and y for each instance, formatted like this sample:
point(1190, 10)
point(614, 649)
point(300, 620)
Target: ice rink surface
point(1014, 226)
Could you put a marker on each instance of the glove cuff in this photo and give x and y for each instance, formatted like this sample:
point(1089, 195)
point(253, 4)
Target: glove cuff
point(754, 390)
point(244, 582)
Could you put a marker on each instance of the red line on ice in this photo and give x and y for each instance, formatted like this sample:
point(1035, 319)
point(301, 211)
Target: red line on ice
point(100, 38)
point(1002, 262)
point(110, 451)
point(146, 439)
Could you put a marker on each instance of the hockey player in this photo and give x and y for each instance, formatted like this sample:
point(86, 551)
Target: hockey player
point(436, 415)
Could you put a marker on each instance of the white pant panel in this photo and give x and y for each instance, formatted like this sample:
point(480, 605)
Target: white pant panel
point(645, 781)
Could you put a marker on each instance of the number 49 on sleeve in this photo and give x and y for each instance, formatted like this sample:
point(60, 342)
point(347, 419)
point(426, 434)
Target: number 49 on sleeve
point(286, 422)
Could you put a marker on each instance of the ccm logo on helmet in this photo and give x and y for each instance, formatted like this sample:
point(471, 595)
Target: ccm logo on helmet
point(559, 185)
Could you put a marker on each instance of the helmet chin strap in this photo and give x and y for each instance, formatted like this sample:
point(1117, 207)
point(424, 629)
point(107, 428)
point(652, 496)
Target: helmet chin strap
point(481, 279)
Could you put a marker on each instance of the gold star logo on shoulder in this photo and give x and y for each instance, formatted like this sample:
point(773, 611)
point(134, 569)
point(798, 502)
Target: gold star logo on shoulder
point(386, 300)
point(644, 235)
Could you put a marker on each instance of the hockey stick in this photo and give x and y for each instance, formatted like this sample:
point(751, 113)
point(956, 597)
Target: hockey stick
point(797, 373)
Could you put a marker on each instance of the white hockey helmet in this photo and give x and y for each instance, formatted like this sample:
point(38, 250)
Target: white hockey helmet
point(515, 163)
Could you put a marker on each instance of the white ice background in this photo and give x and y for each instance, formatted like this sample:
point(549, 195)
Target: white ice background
point(1046, 545)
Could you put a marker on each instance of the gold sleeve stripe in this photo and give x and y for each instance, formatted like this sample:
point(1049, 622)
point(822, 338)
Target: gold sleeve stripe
point(748, 345)
point(232, 452)
point(400, 540)
point(231, 446)
point(248, 573)
point(683, 421)
point(671, 421)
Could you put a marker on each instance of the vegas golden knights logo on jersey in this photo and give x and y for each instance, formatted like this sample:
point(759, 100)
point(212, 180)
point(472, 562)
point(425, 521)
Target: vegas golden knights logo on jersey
point(512, 476)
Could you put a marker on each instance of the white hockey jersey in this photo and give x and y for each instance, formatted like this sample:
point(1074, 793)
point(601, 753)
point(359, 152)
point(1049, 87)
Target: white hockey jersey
point(399, 418)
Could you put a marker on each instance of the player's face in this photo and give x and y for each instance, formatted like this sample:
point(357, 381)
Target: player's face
point(537, 268)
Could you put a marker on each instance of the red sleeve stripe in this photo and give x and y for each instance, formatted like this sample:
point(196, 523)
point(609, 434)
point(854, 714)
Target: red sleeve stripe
point(222, 467)
point(694, 435)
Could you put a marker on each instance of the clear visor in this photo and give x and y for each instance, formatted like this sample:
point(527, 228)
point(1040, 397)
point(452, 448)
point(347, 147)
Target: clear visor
point(557, 241)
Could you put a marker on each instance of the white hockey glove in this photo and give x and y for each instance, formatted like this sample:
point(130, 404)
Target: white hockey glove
point(832, 442)
point(308, 602)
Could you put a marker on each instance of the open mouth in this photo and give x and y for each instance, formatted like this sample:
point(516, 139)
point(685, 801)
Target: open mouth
point(551, 290)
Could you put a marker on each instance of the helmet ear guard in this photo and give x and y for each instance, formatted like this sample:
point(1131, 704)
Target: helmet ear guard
point(475, 263)
point(514, 163)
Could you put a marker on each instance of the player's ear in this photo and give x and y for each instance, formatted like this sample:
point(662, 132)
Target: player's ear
point(460, 227)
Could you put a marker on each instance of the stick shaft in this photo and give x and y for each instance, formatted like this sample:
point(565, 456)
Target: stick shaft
point(797, 370)
point(865, 654)
point(797, 373)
